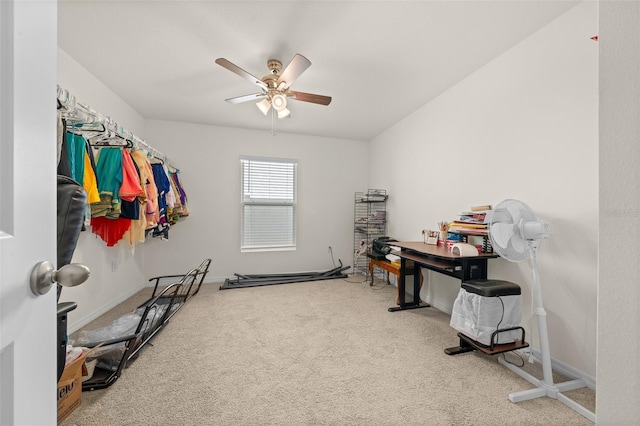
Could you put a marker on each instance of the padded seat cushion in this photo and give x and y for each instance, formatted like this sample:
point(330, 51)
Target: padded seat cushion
point(491, 288)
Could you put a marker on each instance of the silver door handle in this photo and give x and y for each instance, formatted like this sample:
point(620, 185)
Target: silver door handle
point(44, 275)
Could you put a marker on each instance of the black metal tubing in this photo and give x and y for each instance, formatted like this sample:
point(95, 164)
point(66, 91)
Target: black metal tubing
point(154, 319)
point(202, 271)
point(494, 335)
point(156, 314)
point(402, 290)
point(104, 378)
point(255, 280)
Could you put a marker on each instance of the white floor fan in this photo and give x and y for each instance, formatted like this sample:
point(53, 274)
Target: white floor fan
point(515, 234)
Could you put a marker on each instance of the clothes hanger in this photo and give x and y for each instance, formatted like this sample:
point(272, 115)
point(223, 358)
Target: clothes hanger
point(80, 117)
point(111, 136)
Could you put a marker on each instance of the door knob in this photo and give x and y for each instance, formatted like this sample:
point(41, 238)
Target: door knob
point(44, 275)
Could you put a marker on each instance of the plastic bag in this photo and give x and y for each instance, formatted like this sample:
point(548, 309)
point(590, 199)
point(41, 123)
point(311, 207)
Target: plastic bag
point(109, 356)
point(121, 327)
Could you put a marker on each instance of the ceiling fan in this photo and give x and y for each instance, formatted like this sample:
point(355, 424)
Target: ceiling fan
point(275, 87)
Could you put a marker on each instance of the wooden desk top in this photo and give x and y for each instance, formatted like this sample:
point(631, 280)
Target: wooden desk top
point(438, 251)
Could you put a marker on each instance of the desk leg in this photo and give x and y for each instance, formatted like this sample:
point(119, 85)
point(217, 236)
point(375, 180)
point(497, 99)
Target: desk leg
point(417, 275)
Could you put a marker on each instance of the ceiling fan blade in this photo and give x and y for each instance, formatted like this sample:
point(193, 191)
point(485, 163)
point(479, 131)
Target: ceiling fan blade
point(296, 67)
point(246, 98)
point(242, 73)
point(310, 97)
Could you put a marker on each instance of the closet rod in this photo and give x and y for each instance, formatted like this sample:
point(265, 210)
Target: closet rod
point(91, 120)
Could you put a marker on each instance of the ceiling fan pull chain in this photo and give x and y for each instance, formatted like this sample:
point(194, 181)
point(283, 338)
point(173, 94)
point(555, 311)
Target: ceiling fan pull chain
point(273, 122)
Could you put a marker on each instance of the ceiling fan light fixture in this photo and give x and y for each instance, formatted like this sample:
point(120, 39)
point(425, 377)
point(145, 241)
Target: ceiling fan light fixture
point(279, 102)
point(264, 106)
point(284, 113)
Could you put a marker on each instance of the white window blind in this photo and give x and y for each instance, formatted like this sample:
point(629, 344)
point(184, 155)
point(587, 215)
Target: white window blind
point(268, 198)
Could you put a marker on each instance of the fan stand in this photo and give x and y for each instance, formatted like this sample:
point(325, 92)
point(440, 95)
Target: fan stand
point(545, 387)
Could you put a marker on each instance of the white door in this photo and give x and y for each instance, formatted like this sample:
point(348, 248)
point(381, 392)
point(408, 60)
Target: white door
point(28, 52)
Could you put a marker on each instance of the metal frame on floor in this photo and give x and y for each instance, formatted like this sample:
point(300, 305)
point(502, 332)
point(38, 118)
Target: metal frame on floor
point(242, 281)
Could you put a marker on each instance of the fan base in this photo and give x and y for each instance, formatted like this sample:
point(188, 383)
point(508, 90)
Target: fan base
point(552, 391)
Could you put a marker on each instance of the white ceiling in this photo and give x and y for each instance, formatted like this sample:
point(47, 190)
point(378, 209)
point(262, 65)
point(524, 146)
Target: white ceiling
point(379, 60)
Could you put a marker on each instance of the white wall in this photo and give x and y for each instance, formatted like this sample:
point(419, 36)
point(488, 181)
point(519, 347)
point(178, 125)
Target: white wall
point(525, 126)
point(618, 291)
point(116, 273)
point(329, 172)
point(89, 90)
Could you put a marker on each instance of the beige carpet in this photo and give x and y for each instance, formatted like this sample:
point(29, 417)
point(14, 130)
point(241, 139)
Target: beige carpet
point(318, 353)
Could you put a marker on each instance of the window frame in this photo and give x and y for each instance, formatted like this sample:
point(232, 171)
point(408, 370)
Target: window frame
point(269, 191)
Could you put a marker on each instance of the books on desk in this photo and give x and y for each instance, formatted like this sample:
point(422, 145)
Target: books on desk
point(470, 231)
point(479, 217)
point(480, 208)
point(472, 225)
point(466, 225)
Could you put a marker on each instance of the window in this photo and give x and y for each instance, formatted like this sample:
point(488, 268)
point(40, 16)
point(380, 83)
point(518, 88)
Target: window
point(268, 197)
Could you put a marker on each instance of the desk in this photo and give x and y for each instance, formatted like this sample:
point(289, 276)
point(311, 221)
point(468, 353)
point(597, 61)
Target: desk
point(438, 259)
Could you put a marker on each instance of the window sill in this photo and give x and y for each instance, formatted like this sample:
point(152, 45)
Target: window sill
point(262, 249)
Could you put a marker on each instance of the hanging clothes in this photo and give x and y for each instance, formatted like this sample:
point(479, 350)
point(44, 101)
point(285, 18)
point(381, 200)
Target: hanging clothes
point(163, 185)
point(183, 195)
point(75, 162)
point(135, 233)
point(130, 188)
point(151, 207)
point(110, 230)
point(126, 193)
point(139, 158)
point(92, 160)
point(89, 181)
point(179, 210)
point(109, 175)
point(171, 196)
point(76, 149)
point(119, 190)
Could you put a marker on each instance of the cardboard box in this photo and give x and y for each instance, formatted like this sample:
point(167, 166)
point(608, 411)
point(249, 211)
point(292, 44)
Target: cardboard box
point(70, 387)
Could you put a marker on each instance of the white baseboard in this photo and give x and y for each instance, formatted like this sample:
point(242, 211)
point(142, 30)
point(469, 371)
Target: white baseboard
point(212, 280)
point(217, 280)
point(564, 368)
point(81, 322)
point(447, 309)
point(78, 324)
